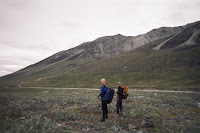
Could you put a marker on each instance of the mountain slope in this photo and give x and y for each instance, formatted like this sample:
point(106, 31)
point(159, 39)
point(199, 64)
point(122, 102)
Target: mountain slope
point(104, 47)
point(166, 69)
point(162, 58)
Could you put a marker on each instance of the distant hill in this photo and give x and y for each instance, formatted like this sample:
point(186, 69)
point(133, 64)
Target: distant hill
point(164, 58)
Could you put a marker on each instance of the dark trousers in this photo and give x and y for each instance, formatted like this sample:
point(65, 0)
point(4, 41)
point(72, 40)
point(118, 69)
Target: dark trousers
point(104, 109)
point(119, 105)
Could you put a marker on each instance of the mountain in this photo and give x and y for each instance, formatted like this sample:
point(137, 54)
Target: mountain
point(124, 58)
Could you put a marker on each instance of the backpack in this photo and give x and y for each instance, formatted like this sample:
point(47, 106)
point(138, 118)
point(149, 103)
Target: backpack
point(109, 95)
point(125, 92)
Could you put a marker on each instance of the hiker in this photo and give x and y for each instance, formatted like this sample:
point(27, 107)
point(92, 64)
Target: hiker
point(104, 104)
point(119, 100)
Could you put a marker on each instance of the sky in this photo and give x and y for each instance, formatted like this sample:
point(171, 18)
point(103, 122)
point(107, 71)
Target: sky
point(31, 30)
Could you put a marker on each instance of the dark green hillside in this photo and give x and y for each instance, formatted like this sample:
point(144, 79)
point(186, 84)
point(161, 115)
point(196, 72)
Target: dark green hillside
point(163, 69)
point(158, 69)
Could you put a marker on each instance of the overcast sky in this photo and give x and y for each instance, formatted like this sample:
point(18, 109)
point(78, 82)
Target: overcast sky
point(31, 30)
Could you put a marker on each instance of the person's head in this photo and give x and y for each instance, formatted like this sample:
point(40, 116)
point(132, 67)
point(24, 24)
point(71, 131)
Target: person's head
point(118, 83)
point(103, 81)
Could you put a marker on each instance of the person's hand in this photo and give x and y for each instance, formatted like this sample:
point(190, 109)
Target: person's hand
point(116, 99)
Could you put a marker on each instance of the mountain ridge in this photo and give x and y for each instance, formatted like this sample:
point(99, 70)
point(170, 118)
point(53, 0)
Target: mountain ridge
point(76, 61)
point(130, 43)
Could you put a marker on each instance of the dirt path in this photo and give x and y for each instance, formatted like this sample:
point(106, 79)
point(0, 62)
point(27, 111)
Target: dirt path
point(136, 90)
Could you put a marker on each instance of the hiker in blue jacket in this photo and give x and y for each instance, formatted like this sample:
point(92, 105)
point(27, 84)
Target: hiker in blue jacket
point(104, 104)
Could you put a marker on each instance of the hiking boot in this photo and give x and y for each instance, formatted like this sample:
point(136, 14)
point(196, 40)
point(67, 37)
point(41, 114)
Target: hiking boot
point(106, 116)
point(120, 114)
point(102, 120)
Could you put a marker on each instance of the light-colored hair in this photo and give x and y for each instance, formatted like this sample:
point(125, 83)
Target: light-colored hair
point(103, 81)
point(119, 83)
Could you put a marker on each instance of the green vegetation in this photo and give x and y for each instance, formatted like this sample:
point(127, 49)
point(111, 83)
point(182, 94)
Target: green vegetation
point(70, 110)
point(162, 69)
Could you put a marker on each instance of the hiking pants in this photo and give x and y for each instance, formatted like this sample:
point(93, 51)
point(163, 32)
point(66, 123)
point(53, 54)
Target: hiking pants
point(119, 105)
point(104, 109)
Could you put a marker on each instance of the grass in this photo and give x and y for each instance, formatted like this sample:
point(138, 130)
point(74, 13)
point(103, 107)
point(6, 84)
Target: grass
point(61, 110)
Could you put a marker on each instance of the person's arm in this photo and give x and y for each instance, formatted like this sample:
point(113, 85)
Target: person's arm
point(100, 92)
point(117, 94)
point(103, 91)
point(120, 91)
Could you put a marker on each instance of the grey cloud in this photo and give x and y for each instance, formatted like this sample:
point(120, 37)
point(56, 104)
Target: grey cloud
point(72, 24)
point(10, 68)
point(19, 4)
point(176, 18)
point(25, 45)
point(4, 72)
point(13, 61)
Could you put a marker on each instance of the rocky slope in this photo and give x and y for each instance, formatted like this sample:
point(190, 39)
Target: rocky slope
point(188, 37)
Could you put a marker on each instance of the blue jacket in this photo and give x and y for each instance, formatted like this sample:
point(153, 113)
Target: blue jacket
point(103, 91)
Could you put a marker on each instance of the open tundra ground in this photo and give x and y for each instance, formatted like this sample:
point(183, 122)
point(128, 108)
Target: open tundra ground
point(78, 110)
